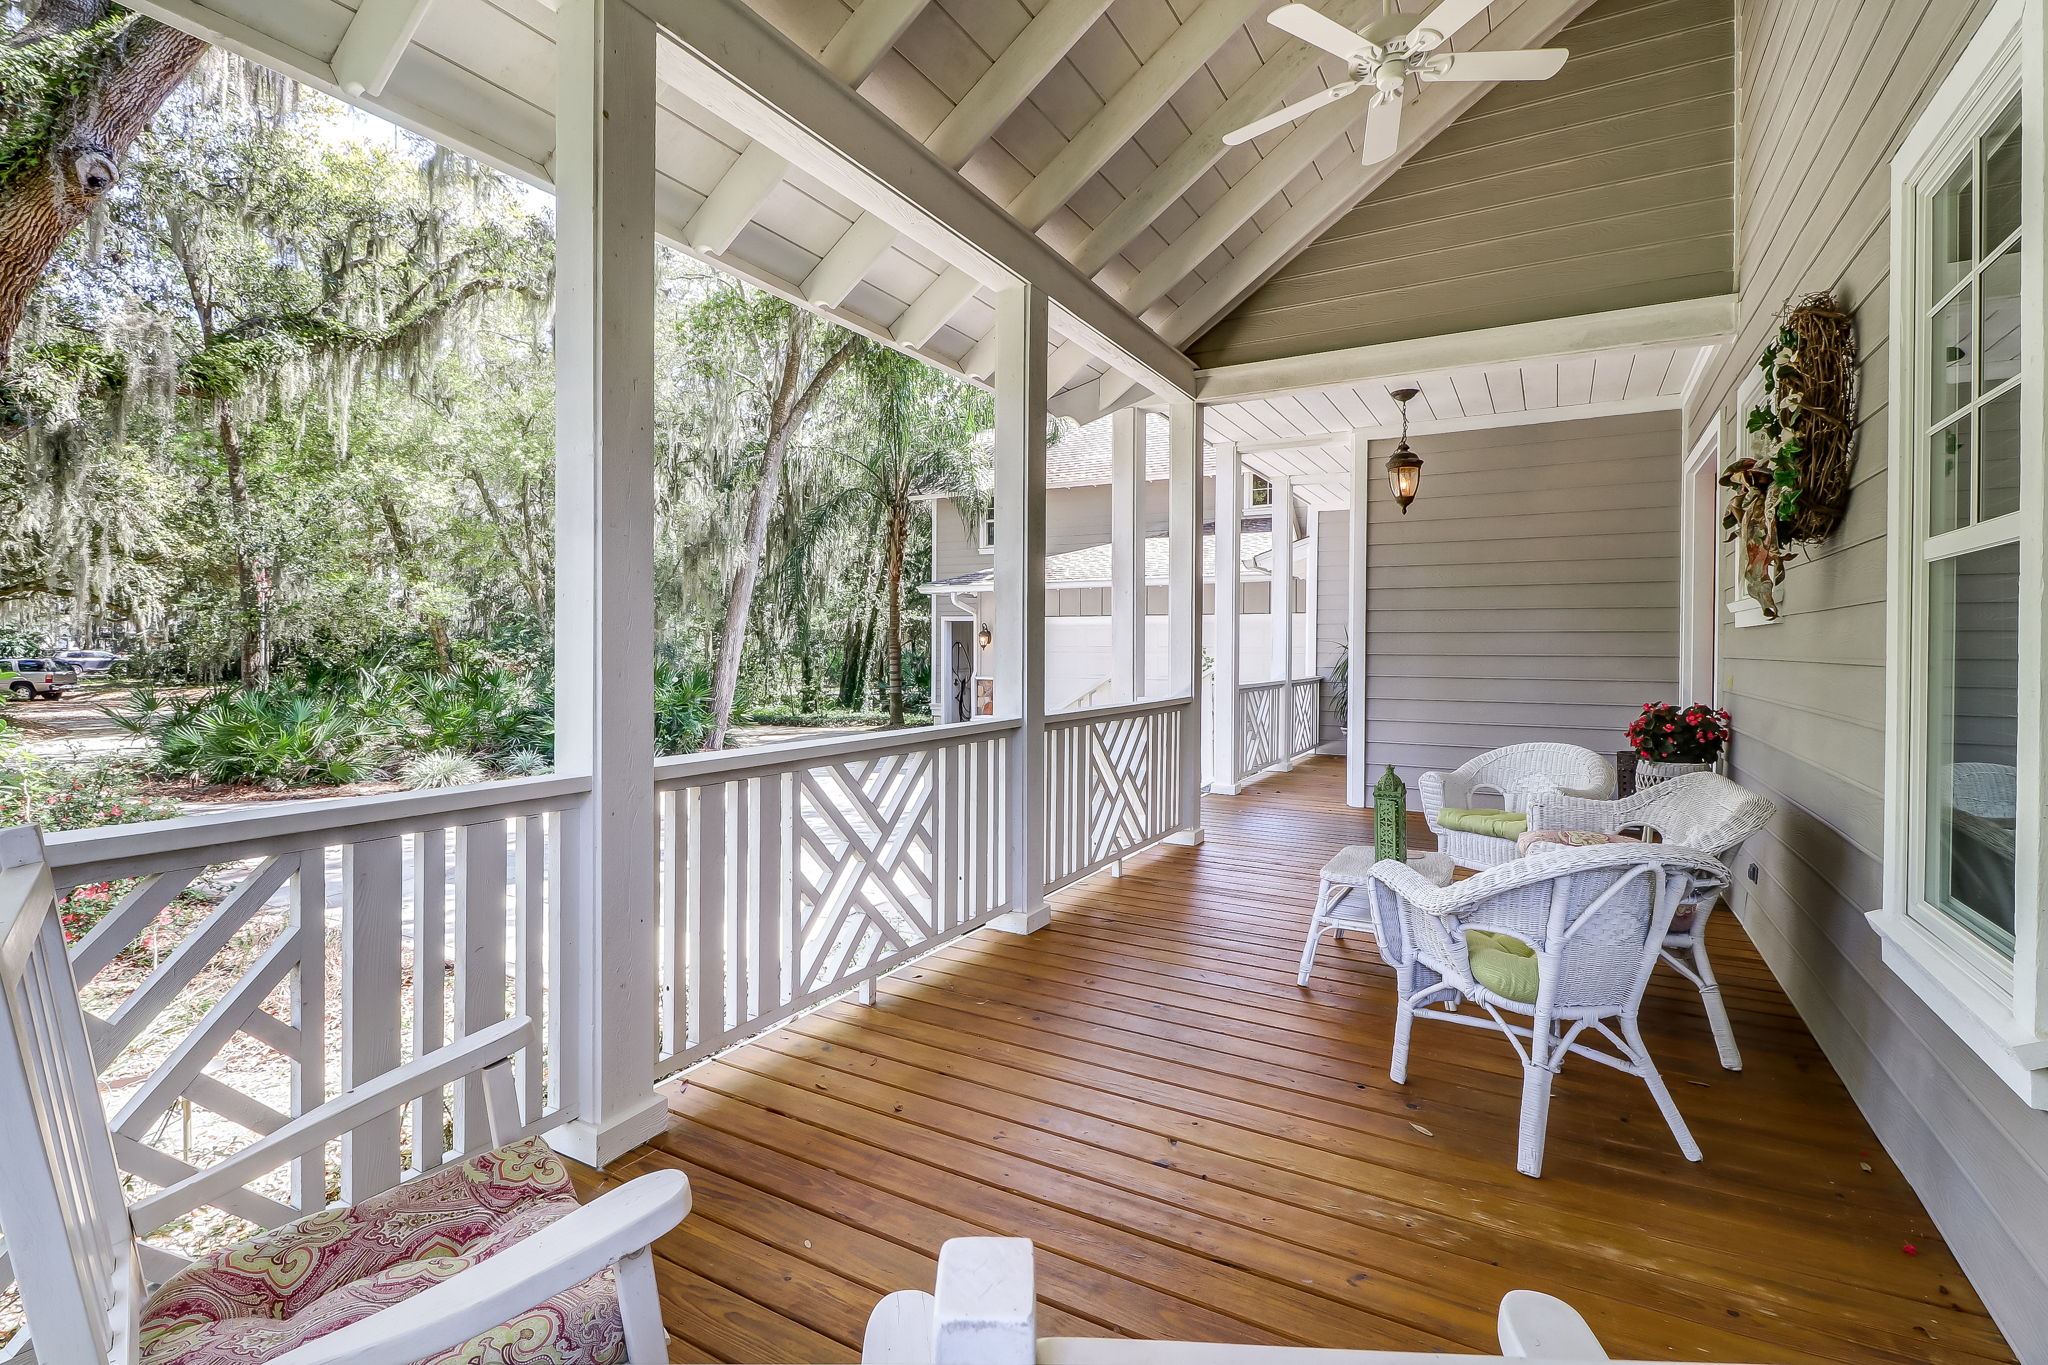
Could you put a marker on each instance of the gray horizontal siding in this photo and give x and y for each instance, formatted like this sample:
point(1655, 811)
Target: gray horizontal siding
point(1529, 594)
point(1607, 186)
point(1829, 90)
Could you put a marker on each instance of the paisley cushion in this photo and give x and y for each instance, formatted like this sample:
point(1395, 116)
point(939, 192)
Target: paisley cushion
point(261, 1297)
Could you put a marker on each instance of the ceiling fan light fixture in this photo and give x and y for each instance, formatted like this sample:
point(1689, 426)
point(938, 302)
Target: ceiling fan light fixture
point(1404, 466)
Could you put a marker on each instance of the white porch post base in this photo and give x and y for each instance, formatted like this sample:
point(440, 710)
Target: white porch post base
point(603, 1142)
point(1023, 921)
point(1285, 765)
point(1223, 789)
point(1188, 837)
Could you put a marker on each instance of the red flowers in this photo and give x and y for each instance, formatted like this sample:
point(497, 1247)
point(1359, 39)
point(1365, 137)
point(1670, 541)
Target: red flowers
point(1671, 734)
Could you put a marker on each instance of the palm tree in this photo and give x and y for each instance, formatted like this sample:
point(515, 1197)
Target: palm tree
point(915, 438)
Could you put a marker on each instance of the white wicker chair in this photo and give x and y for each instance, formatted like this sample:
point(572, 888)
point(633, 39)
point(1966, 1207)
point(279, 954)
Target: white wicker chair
point(1596, 919)
point(1700, 810)
point(1514, 774)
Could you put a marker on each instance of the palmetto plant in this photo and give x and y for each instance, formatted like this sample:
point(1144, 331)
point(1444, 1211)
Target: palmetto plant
point(276, 739)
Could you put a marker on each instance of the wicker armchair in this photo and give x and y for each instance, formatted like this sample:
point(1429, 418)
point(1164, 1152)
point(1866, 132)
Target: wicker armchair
point(1700, 810)
point(1592, 919)
point(1514, 774)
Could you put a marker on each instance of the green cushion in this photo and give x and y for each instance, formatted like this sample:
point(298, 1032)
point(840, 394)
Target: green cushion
point(1501, 824)
point(1503, 964)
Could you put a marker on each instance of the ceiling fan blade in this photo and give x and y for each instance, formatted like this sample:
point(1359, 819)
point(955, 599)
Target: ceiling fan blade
point(1537, 64)
point(1448, 17)
point(1382, 132)
point(1311, 27)
point(1280, 117)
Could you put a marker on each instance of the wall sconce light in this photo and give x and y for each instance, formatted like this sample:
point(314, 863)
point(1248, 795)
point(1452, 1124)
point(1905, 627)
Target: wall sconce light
point(985, 637)
point(1404, 466)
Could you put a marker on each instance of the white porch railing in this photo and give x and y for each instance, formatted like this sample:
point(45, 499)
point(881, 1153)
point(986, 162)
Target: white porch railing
point(792, 874)
point(1276, 723)
point(441, 910)
point(1112, 784)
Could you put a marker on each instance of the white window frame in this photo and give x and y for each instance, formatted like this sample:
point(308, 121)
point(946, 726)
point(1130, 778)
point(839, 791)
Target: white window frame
point(1745, 611)
point(1252, 478)
point(985, 531)
point(1998, 1007)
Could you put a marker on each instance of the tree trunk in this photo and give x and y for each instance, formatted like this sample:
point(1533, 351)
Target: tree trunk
point(409, 565)
point(793, 402)
point(255, 667)
point(893, 547)
point(78, 160)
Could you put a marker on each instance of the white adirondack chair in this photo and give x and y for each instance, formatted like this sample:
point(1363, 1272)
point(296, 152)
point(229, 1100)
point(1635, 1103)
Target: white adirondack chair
point(71, 1236)
point(1700, 810)
point(983, 1311)
point(1515, 774)
point(1593, 920)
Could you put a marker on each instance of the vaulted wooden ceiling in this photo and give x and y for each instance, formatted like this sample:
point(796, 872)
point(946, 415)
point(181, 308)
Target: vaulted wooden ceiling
point(1096, 124)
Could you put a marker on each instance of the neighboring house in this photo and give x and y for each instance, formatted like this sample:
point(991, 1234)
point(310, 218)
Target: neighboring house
point(1077, 580)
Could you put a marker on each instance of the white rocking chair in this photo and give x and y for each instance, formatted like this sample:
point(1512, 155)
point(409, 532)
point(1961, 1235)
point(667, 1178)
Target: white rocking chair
point(983, 1311)
point(1592, 920)
point(1515, 774)
point(72, 1237)
point(1699, 810)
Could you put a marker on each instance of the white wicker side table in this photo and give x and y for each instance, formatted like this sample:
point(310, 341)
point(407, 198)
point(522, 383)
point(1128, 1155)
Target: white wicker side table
point(1345, 873)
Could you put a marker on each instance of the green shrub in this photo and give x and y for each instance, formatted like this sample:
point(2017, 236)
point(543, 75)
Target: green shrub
point(277, 738)
point(682, 707)
point(441, 768)
point(527, 763)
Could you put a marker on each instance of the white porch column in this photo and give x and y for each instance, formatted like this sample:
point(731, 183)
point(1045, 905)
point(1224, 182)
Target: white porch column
point(1281, 606)
point(1357, 781)
point(604, 545)
point(1229, 496)
point(1020, 591)
point(1184, 601)
point(1312, 611)
point(1127, 555)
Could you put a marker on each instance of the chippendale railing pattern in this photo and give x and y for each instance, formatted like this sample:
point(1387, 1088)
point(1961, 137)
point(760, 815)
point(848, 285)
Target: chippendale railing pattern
point(1112, 785)
point(793, 874)
point(1308, 717)
point(1276, 722)
point(415, 920)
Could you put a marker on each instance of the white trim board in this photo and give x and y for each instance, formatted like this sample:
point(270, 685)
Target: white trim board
point(1698, 322)
point(1583, 412)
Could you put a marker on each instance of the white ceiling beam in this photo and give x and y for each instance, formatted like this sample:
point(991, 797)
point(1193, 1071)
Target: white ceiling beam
point(1115, 124)
point(377, 37)
point(1204, 147)
point(1532, 24)
point(1272, 173)
point(1535, 417)
point(1688, 322)
point(933, 308)
point(740, 68)
point(1007, 83)
point(868, 33)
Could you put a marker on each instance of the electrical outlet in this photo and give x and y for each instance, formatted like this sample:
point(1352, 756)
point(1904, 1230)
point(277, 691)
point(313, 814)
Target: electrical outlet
point(1752, 872)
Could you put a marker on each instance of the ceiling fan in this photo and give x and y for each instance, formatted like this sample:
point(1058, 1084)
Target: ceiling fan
point(1384, 55)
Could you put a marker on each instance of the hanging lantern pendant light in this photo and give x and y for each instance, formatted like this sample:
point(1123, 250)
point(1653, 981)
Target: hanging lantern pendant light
point(1404, 466)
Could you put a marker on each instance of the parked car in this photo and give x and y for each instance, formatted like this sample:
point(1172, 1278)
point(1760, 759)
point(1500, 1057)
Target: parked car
point(88, 663)
point(27, 679)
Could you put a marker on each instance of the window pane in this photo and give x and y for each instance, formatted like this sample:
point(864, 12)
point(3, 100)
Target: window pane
point(1949, 367)
point(1998, 456)
point(1948, 503)
point(1954, 231)
point(2001, 149)
point(1999, 336)
point(1973, 740)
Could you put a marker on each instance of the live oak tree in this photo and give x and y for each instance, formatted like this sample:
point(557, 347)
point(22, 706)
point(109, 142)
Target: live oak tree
point(79, 81)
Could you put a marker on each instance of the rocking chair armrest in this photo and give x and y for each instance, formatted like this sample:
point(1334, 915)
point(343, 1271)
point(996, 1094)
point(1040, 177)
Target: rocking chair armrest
point(616, 1225)
point(1556, 808)
point(1434, 791)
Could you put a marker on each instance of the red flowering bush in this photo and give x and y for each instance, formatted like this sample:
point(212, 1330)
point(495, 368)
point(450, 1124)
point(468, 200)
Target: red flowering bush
point(1673, 734)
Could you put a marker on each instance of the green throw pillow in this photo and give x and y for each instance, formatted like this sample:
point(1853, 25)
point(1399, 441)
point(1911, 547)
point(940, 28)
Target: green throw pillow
point(1503, 964)
point(1501, 824)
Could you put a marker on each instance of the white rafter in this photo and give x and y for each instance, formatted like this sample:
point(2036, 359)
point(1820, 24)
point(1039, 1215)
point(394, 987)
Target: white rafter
point(861, 42)
point(738, 67)
point(375, 40)
point(1005, 85)
point(1116, 123)
point(1204, 146)
point(1532, 24)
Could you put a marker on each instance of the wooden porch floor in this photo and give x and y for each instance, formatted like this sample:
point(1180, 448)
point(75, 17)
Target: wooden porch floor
point(1202, 1150)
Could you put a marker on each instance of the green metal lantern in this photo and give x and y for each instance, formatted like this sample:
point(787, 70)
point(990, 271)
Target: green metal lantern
point(1390, 817)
